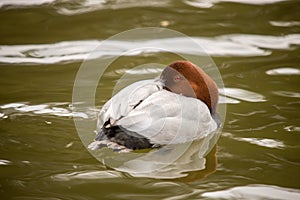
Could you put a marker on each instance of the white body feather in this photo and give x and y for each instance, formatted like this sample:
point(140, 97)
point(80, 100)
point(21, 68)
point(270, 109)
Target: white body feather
point(161, 116)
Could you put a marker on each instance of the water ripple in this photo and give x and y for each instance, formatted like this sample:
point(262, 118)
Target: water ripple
point(268, 42)
point(42, 109)
point(73, 51)
point(287, 94)
point(255, 192)
point(4, 162)
point(96, 175)
point(211, 3)
point(283, 71)
point(22, 3)
point(75, 7)
point(244, 95)
point(264, 142)
point(79, 7)
point(285, 23)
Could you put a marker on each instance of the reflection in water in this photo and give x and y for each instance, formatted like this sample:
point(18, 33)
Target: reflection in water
point(211, 3)
point(64, 7)
point(266, 42)
point(21, 3)
point(287, 94)
point(2, 115)
point(77, 7)
point(228, 100)
point(242, 94)
point(283, 71)
point(153, 71)
point(86, 175)
point(292, 128)
point(4, 162)
point(264, 142)
point(285, 23)
point(85, 6)
point(268, 192)
point(210, 167)
point(70, 51)
point(12, 109)
point(190, 161)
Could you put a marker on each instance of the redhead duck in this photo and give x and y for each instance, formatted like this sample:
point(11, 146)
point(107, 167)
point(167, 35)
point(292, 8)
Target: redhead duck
point(178, 107)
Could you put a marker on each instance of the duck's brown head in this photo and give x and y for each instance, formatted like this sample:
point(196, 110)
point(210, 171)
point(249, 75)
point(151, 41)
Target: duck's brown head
point(184, 77)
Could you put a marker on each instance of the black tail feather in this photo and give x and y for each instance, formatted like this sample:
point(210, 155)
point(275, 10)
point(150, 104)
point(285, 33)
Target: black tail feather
point(123, 137)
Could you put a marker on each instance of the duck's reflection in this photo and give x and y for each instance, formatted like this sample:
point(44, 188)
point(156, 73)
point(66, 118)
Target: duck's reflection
point(185, 162)
point(210, 167)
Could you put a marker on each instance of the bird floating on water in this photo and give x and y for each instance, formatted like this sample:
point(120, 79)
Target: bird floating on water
point(179, 106)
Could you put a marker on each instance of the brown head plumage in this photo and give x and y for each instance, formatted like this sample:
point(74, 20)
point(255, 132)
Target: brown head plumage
point(184, 77)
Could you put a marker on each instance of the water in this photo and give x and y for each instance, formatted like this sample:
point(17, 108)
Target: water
point(255, 45)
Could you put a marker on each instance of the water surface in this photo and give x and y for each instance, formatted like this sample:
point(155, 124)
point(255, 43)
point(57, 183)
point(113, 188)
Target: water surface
point(255, 45)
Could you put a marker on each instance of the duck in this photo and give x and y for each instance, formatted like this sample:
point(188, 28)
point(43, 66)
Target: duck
point(178, 106)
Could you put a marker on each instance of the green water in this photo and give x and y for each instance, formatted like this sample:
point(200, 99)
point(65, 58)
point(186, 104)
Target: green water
point(41, 154)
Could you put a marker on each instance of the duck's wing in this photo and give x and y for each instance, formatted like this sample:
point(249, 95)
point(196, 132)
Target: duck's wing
point(126, 100)
point(168, 118)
